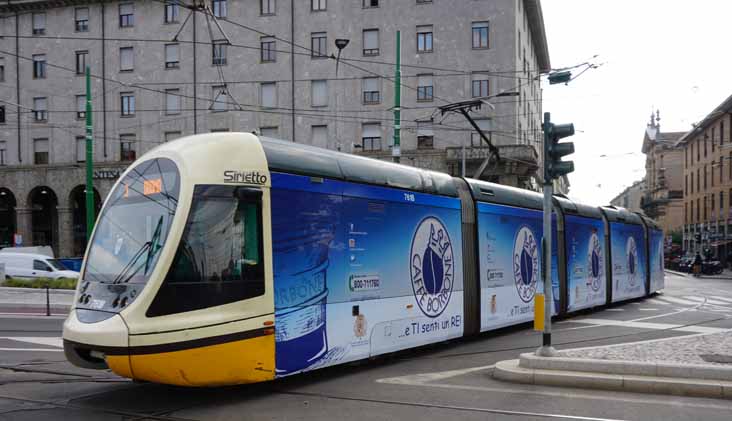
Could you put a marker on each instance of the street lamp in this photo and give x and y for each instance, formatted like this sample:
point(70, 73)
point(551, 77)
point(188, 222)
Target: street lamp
point(340, 44)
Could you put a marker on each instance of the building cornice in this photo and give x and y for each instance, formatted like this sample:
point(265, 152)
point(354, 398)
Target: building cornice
point(724, 108)
point(538, 34)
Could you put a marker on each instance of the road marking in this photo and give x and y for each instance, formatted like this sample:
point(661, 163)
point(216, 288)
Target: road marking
point(38, 340)
point(32, 349)
point(648, 309)
point(614, 309)
point(677, 300)
point(717, 297)
point(705, 300)
point(657, 300)
point(652, 326)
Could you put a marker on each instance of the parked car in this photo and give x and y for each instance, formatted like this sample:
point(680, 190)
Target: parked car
point(31, 266)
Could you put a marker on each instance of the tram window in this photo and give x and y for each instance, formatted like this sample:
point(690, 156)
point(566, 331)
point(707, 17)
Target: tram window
point(220, 257)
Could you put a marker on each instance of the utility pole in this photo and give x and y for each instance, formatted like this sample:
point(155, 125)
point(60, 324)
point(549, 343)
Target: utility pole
point(396, 149)
point(554, 168)
point(89, 160)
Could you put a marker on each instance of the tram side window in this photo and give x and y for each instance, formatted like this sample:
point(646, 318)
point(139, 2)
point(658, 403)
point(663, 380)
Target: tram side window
point(220, 256)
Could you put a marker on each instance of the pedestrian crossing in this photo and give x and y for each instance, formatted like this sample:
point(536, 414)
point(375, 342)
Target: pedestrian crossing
point(714, 303)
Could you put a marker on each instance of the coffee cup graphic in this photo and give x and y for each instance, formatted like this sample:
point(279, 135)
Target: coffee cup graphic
point(302, 236)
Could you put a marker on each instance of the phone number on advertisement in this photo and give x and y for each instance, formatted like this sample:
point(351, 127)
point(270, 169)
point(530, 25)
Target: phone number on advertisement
point(364, 283)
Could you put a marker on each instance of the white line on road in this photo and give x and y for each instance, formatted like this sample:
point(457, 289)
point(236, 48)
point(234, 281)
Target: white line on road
point(677, 300)
point(32, 349)
point(648, 309)
point(614, 309)
point(38, 340)
point(717, 297)
point(705, 300)
point(653, 326)
point(657, 301)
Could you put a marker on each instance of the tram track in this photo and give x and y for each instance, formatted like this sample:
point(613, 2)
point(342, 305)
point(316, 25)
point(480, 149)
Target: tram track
point(494, 411)
point(138, 416)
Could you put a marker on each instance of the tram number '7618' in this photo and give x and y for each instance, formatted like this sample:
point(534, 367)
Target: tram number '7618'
point(409, 197)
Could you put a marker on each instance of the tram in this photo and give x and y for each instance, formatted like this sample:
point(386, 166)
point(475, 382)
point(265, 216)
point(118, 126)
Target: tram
point(228, 258)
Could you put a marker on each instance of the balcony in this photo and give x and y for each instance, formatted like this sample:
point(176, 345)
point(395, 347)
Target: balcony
point(516, 160)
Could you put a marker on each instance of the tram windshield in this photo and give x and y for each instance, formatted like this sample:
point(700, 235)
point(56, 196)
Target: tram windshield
point(134, 225)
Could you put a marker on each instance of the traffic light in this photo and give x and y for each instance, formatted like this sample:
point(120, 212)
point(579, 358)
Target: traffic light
point(554, 167)
point(560, 77)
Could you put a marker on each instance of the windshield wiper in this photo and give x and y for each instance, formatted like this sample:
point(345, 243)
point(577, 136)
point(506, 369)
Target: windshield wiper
point(147, 246)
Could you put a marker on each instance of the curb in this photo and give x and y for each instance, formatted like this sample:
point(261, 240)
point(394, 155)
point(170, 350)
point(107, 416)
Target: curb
point(634, 368)
point(676, 272)
point(511, 371)
point(680, 380)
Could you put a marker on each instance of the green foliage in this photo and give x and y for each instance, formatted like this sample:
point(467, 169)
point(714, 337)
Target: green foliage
point(61, 283)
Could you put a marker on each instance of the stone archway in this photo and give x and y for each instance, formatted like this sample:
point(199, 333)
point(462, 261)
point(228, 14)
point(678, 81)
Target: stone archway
point(44, 217)
point(8, 218)
point(77, 201)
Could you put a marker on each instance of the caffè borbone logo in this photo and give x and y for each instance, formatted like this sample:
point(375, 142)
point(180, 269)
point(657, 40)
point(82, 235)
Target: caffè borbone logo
point(525, 263)
point(431, 266)
point(594, 262)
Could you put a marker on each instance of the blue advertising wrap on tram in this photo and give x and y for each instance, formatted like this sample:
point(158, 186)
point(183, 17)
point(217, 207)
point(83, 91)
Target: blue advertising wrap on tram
point(628, 261)
point(585, 246)
point(509, 241)
point(656, 252)
point(361, 270)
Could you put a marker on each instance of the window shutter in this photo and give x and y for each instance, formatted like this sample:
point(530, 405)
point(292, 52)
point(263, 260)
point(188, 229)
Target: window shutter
point(39, 20)
point(371, 39)
point(320, 136)
point(126, 9)
point(269, 94)
point(424, 128)
point(41, 145)
point(171, 53)
point(370, 84)
point(371, 130)
point(320, 92)
point(126, 58)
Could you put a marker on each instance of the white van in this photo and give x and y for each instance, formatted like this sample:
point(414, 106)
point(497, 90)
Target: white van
point(31, 266)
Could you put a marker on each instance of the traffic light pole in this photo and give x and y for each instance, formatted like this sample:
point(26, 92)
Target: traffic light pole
point(546, 349)
point(89, 160)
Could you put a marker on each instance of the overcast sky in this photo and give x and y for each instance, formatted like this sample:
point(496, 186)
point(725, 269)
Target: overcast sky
point(670, 55)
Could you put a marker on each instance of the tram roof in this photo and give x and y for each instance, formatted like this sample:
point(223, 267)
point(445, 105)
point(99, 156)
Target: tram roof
point(484, 191)
point(302, 159)
point(650, 223)
point(618, 214)
point(570, 207)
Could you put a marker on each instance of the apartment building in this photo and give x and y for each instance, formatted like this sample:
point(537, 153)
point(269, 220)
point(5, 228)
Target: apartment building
point(161, 70)
point(663, 199)
point(708, 184)
point(630, 198)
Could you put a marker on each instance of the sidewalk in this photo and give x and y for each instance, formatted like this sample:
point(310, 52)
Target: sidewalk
point(696, 365)
point(33, 300)
point(726, 274)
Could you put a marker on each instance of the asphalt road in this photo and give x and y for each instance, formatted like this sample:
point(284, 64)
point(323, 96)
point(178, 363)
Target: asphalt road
point(445, 381)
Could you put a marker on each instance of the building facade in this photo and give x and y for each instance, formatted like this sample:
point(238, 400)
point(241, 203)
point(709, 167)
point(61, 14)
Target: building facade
point(663, 200)
point(631, 197)
point(708, 184)
point(160, 71)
